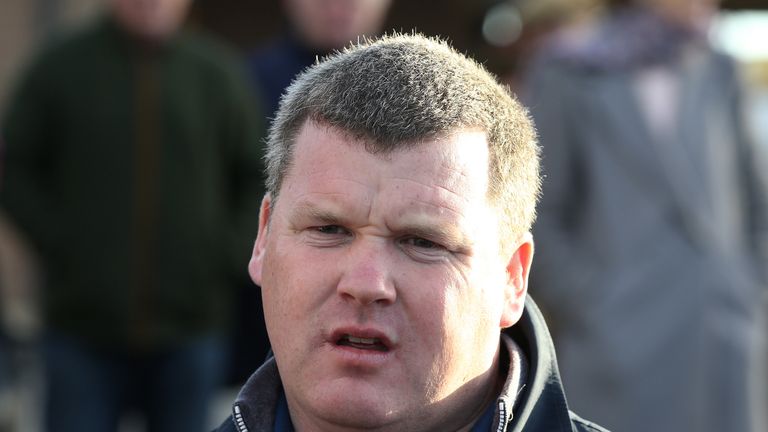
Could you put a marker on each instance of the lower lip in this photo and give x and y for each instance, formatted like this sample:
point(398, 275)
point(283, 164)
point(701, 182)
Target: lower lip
point(360, 358)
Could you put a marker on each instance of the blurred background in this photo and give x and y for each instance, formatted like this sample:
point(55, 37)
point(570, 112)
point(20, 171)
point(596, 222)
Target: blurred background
point(248, 24)
point(487, 29)
point(503, 35)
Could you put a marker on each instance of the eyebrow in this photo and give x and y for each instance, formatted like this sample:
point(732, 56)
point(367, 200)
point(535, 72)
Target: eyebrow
point(308, 209)
point(426, 227)
point(446, 235)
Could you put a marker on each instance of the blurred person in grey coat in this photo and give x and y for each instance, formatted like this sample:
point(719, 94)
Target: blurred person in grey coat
point(651, 236)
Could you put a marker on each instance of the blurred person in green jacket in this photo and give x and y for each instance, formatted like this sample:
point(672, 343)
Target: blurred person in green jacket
point(132, 164)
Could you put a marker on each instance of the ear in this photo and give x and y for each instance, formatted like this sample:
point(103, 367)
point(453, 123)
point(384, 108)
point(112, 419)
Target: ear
point(518, 269)
point(259, 246)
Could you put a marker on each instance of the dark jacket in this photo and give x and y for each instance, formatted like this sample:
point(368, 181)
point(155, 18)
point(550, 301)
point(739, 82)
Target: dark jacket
point(273, 67)
point(135, 171)
point(541, 405)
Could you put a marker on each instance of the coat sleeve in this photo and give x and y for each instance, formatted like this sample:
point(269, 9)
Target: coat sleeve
point(27, 193)
point(753, 167)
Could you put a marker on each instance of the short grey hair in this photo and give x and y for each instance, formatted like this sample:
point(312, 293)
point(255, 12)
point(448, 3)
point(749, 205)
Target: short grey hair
point(399, 90)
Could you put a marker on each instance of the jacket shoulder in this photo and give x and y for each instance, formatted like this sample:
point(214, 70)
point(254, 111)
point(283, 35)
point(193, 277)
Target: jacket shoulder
point(64, 50)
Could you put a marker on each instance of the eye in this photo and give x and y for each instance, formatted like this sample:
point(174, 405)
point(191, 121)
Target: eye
point(330, 229)
point(423, 250)
point(327, 235)
point(422, 243)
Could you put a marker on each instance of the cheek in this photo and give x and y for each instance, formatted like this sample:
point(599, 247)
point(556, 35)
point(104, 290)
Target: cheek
point(428, 299)
point(444, 309)
point(294, 283)
point(454, 337)
point(475, 311)
point(281, 293)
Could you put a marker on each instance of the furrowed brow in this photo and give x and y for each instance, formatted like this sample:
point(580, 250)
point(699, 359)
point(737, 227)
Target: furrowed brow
point(311, 211)
point(445, 235)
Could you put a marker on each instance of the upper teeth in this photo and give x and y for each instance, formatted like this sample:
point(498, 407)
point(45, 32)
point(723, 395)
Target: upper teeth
point(361, 340)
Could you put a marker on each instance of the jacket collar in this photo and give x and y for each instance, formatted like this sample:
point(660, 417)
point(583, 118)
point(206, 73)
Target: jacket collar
point(542, 405)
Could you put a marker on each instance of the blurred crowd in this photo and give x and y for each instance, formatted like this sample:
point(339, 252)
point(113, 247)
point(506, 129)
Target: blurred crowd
point(131, 175)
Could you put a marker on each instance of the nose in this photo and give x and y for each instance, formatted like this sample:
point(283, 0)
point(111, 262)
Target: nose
point(367, 271)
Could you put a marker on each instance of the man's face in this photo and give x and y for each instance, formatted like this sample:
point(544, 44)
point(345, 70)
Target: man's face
point(150, 19)
point(331, 24)
point(383, 283)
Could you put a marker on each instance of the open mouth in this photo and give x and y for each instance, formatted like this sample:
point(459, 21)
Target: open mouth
point(363, 343)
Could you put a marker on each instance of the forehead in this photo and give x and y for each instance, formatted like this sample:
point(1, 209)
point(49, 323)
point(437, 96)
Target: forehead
point(461, 155)
point(449, 173)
